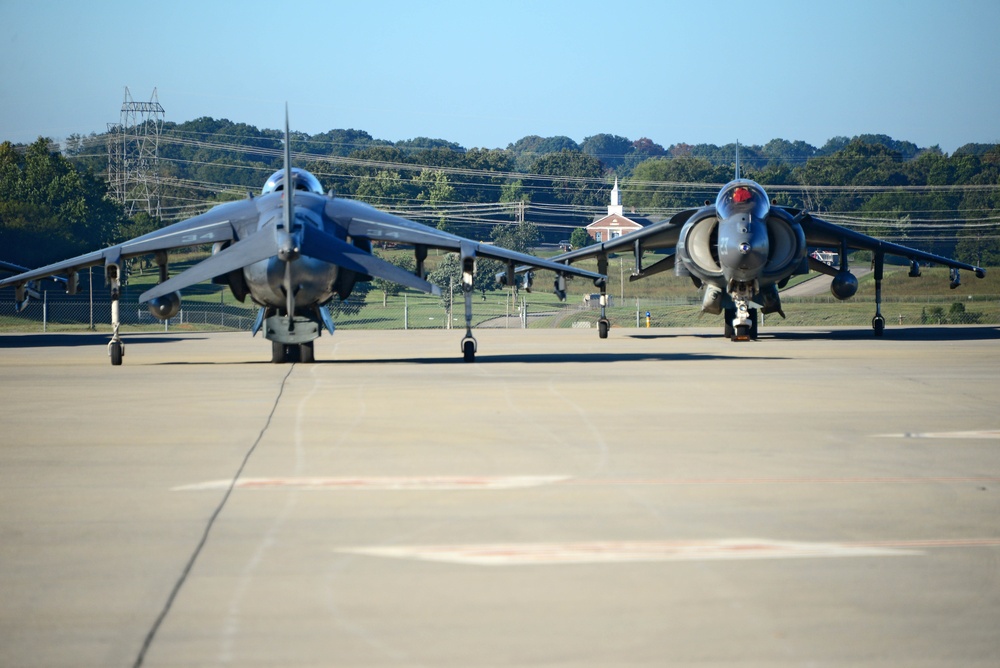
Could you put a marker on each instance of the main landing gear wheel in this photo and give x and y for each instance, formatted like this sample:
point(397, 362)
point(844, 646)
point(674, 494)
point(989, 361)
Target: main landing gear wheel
point(282, 353)
point(603, 325)
point(878, 325)
point(116, 350)
point(469, 350)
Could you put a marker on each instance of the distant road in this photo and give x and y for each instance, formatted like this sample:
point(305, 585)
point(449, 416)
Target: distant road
point(820, 284)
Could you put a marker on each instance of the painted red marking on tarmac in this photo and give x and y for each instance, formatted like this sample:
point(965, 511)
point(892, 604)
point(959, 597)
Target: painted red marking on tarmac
point(625, 551)
point(658, 551)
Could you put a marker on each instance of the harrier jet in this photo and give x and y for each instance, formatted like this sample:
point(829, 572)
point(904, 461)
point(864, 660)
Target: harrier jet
point(290, 249)
point(743, 248)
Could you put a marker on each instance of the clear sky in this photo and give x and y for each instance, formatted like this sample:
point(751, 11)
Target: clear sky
point(486, 73)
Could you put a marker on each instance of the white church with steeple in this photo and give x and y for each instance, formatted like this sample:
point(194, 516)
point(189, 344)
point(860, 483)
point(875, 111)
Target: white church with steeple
point(616, 223)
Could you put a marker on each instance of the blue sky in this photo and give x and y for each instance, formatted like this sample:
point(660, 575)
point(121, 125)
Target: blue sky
point(488, 73)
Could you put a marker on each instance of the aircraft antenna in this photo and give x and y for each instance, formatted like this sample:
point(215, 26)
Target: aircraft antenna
point(133, 155)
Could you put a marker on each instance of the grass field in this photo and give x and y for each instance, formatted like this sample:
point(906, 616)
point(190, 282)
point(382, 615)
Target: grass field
point(670, 301)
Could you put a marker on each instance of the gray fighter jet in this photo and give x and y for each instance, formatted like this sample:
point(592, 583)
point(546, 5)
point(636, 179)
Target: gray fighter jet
point(743, 248)
point(291, 249)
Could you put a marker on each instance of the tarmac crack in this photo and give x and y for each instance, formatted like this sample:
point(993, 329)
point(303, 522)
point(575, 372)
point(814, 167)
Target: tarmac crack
point(151, 635)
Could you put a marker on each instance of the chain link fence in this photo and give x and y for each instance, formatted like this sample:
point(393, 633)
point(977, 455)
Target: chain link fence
point(62, 313)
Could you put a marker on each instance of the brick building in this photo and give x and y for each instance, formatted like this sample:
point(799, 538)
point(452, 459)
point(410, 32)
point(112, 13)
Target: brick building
point(616, 223)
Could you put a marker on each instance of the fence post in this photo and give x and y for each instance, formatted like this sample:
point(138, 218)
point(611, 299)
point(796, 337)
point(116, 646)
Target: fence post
point(406, 312)
point(91, 271)
point(451, 299)
point(45, 311)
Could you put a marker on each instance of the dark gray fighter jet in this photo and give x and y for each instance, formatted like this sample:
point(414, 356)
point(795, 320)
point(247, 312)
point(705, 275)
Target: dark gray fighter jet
point(291, 249)
point(743, 249)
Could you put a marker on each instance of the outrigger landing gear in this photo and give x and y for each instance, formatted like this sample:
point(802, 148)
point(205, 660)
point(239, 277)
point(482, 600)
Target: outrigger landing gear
point(116, 349)
point(603, 324)
point(468, 272)
point(878, 322)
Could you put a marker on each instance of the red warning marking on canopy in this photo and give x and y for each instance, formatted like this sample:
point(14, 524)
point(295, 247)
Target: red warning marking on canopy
point(625, 552)
point(421, 483)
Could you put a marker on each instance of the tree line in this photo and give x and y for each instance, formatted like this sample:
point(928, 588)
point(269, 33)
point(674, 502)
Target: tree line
point(53, 203)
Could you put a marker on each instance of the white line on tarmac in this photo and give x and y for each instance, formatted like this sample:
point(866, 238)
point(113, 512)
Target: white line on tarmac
point(523, 554)
point(471, 482)
point(985, 433)
point(881, 480)
point(381, 483)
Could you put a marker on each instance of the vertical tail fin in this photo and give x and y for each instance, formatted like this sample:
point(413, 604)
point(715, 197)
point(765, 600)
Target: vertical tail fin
point(289, 180)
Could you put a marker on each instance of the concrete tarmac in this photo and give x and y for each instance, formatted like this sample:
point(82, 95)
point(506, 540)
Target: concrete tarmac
point(664, 497)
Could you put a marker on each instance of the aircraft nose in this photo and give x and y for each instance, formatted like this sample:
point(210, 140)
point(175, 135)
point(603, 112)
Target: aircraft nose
point(743, 246)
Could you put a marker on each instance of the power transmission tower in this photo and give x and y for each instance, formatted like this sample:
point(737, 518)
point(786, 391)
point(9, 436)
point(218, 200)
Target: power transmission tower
point(133, 155)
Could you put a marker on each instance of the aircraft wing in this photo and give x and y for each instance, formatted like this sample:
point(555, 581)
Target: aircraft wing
point(368, 222)
point(214, 225)
point(822, 233)
point(663, 234)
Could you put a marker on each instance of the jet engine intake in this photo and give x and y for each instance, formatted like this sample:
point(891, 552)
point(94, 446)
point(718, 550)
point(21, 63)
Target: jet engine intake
point(698, 246)
point(787, 246)
point(165, 307)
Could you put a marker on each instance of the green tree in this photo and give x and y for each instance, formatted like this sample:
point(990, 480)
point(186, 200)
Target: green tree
point(579, 238)
point(385, 188)
point(611, 150)
point(528, 150)
point(570, 165)
point(49, 210)
point(389, 288)
point(520, 237)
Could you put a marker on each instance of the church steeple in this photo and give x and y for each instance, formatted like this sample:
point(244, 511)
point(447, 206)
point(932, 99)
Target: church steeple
point(616, 201)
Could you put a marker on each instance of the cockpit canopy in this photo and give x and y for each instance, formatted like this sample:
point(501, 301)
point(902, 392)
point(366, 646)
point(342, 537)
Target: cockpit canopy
point(741, 197)
point(303, 181)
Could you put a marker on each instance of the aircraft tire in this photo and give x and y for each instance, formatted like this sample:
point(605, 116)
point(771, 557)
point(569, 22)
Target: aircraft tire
point(116, 351)
point(279, 354)
point(602, 328)
point(469, 351)
point(306, 353)
point(878, 325)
